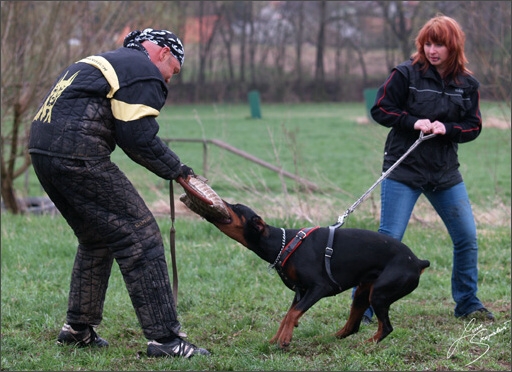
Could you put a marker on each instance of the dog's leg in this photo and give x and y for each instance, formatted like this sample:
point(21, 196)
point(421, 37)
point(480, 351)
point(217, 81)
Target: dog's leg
point(385, 327)
point(380, 304)
point(284, 322)
point(359, 305)
point(284, 335)
point(301, 303)
point(393, 284)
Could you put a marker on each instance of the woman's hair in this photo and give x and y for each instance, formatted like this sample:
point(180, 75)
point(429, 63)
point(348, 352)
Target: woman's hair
point(446, 31)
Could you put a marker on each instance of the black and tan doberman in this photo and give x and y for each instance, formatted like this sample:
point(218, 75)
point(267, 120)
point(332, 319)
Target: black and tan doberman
point(383, 269)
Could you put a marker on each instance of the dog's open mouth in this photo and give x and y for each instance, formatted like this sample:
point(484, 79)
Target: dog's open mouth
point(221, 221)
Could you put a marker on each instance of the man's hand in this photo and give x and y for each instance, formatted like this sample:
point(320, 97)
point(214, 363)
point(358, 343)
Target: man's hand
point(186, 171)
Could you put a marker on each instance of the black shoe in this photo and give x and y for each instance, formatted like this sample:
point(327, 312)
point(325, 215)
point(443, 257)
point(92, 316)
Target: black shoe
point(366, 320)
point(87, 337)
point(175, 348)
point(481, 314)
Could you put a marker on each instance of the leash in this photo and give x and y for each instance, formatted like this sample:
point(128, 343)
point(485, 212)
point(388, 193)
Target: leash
point(341, 219)
point(172, 237)
point(173, 246)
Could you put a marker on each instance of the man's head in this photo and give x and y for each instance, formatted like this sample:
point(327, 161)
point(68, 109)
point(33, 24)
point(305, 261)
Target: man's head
point(162, 38)
point(163, 48)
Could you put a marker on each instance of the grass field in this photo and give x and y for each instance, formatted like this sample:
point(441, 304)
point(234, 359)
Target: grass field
point(228, 300)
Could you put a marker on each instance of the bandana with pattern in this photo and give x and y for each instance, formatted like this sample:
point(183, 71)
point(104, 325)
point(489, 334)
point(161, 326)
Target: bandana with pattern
point(161, 38)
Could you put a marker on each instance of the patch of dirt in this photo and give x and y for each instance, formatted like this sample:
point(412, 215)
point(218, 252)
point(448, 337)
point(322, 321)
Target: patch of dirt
point(494, 122)
point(162, 208)
point(318, 209)
point(492, 215)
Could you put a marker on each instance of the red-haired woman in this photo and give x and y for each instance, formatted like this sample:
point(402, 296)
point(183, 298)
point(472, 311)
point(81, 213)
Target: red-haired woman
point(435, 93)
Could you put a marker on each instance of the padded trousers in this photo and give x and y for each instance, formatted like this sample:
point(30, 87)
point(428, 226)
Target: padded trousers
point(111, 222)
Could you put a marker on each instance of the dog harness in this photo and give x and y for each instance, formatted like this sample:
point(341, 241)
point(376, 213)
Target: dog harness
point(286, 251)
point(328, 253)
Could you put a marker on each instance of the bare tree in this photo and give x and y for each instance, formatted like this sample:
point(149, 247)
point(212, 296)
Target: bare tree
point(348, 36)
point(274, 34)
point(320, 43)
point(252, 44)
point(207, 30)
point(40, 38)
point(297, 19)
point(176, 22)
point(28, 57)
point(400, 16)
point(488, 46)
point(228, 35)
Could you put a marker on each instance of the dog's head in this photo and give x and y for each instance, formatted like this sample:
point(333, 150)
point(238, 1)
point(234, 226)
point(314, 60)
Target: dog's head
point(243, 225)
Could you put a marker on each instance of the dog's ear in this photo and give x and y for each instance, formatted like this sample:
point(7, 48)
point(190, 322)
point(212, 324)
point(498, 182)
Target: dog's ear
point(258, 223)
point(253, 229)
point(259, 226)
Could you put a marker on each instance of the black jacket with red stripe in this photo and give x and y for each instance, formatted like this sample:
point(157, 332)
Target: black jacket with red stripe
point(409, 95)
point(102, 101)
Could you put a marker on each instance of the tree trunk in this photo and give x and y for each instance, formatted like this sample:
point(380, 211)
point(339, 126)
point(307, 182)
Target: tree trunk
point(320, 42)
point(319, 65)
point(299, 26)
point(8, 194)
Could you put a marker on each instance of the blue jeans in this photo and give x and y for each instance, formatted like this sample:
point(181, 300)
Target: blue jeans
point(454, 208)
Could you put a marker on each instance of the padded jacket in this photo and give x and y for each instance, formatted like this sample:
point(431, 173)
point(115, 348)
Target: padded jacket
point(409, 95)
point(102, 101)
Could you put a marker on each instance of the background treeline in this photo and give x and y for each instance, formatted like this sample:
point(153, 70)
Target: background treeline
point(290, 51)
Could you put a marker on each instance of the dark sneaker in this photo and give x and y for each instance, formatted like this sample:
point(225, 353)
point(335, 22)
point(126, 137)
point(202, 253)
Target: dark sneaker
point(87, 337)
point(176, 348)
point(481, 314)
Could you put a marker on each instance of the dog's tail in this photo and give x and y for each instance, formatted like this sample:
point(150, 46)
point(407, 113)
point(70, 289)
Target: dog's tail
point(423, 265)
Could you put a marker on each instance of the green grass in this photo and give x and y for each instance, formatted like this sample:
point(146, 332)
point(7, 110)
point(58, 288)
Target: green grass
point(320, 142)
point(228, 300)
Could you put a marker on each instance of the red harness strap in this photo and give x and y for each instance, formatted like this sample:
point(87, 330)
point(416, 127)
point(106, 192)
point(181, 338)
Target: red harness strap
point(294, 244)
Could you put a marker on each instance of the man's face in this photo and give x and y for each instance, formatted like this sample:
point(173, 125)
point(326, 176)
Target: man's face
point(169, 65)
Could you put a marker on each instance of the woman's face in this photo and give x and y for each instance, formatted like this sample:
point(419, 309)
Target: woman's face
point(437, 54)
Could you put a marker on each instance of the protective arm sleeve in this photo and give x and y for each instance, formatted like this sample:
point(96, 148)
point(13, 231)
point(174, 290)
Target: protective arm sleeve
point(139, 140)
